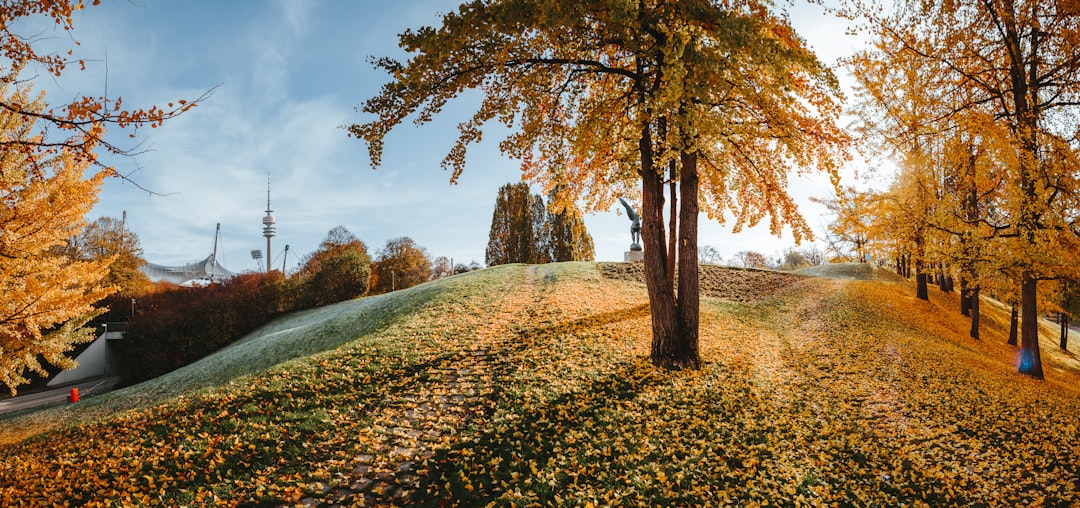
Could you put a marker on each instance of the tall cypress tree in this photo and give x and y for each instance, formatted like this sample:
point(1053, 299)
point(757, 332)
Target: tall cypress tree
point(516, 227)
point(567, 238)
point(523, 231)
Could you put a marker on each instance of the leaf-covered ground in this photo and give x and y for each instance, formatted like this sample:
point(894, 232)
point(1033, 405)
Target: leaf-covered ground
point(725, 282)
point(529, 384)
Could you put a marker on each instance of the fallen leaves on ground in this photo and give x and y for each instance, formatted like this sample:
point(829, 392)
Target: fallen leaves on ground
point(725, 282)
point(817, 392)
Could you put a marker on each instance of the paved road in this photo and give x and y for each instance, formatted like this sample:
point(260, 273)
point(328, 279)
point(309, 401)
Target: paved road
point(86, 389)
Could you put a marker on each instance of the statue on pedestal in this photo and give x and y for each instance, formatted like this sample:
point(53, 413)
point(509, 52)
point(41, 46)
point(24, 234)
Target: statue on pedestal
point(635, 225)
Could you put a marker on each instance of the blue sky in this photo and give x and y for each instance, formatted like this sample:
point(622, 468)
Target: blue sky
point(289, 74)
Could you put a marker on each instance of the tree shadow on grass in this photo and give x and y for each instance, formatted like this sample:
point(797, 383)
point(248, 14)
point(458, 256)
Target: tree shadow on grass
point(527, 334)
point(501, 458)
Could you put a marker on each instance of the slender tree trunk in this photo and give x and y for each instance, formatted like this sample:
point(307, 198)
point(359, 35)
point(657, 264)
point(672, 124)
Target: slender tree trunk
point(673, 225)
point(969, 293)
point(1030, 360)
point(1013, 320)
point(943, 285)
point(1064, 331)
point(661, 294)
point(1026, 118)
point(974, 312)
point(920, 282)
point(686, 354)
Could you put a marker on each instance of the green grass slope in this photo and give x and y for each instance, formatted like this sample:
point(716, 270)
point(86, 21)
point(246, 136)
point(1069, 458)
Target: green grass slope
point(530, 384)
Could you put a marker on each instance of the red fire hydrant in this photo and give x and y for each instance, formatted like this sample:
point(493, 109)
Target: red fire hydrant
point(74, 395)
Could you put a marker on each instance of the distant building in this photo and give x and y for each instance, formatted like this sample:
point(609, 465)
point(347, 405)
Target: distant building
point(194, 274)
point(199, 273)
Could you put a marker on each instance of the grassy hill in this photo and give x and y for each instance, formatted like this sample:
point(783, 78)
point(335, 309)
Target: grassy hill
point(523, 384)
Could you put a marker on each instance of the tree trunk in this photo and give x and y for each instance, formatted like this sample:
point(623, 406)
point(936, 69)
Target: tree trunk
point(661, 294)
point(685, 355)
point(965, 296)
point(1030, 360)
point(1013, 319)
point(943, 284)
point(920, 282)
point(1064, 331)
point(974, 306)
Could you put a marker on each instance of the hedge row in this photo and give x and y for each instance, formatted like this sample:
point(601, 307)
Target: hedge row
point(177, 326)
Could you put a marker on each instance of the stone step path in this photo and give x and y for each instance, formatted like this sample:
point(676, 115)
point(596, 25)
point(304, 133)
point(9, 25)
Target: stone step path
point(426, 416)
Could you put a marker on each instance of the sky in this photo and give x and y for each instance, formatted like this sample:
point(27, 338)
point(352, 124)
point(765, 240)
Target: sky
point(286, 77)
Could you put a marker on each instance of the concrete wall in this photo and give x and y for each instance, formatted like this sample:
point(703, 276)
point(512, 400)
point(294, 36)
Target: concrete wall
point(95, 361)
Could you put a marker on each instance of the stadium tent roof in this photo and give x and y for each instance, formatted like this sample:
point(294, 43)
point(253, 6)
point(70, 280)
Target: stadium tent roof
point(194, 273)
point(198, 273)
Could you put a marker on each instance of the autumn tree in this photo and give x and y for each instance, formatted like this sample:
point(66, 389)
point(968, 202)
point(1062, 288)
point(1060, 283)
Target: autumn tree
point(518, 227)
point(1016, 61)
point(400, 264)
point(45, 296)
point(338, 270)
point(80, 125)
point(567, 238)
point(794, 259)
point(950, 179)
point(526, 230)
point(109, 238)
point(441, 267)
point(44, 153)
point(696, 98)
point(752, 259)
point(1065, 297)
point(849, 231)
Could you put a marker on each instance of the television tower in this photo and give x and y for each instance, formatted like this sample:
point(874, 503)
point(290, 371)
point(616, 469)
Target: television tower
point(268, 225)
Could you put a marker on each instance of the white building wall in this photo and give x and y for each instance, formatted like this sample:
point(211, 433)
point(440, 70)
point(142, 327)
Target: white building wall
point(95, 361)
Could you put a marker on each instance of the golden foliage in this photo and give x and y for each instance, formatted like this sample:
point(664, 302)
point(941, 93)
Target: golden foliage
point(43, 198)
point(730, 80)
point(977, 101)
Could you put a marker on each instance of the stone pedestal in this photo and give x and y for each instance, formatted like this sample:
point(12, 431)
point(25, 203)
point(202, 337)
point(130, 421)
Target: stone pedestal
point(633, 256)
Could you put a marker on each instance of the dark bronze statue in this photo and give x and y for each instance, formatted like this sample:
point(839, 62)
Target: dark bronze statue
point(635, 225)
